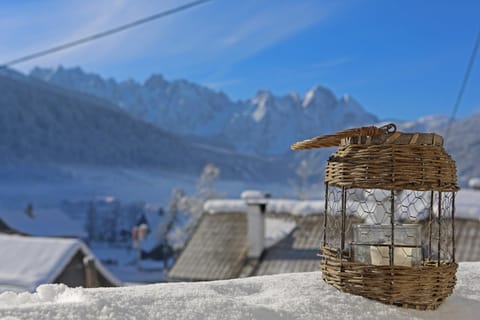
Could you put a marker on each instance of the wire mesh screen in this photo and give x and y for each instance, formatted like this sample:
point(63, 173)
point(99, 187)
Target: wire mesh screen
point(446, 227)
point(333, 217)
point(337, 225)
point(390, 227)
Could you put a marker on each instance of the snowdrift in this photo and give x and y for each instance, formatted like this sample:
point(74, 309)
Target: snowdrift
point(287, 296)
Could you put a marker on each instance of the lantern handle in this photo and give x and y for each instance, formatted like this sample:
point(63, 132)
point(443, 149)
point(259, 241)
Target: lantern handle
point(333, 140)
point(389, 128)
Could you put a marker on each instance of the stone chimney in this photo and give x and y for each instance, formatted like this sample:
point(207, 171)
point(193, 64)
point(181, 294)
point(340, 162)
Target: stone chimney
point(257, 204)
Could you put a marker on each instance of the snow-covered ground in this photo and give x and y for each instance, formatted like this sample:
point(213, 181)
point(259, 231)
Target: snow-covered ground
point(287, 296)
point(123, 263)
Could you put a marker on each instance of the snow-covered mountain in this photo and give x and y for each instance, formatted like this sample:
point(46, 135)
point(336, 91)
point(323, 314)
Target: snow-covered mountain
point(45, 124)
point(264, 124)
point(462, 141)
point(433, 123)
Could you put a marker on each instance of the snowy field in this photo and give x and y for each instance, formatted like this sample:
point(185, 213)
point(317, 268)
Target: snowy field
point(287, 296)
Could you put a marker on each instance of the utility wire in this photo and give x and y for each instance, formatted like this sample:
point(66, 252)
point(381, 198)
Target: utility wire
point(100, 34)
point(471, 62)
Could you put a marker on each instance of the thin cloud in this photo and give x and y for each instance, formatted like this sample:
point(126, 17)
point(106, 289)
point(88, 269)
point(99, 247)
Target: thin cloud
point(220, 33)
point(218, 85)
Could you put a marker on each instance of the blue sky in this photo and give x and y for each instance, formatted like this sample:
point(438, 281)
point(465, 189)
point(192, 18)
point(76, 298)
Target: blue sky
point(399, 59)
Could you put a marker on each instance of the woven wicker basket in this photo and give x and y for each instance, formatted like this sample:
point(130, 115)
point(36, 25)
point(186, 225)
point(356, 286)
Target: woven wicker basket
point(424, 287)
point(381, 158)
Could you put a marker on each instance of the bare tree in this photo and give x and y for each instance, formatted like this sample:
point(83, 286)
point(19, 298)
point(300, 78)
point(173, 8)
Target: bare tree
point(302, 184)
point(206, 181)
point(189, 209)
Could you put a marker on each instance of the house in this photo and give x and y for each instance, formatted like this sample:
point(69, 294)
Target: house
point(28, 262)
point(232, 243)
point(41, 222)
point(227, 242)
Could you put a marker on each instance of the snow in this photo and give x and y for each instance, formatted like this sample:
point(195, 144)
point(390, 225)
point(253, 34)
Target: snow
point(276, 230)
point(296, 207)
point(225, 206)
point(122, 262)
point(432, 123)
point(28, 262)
point(474, 183)
point(286, 296)
point(467, 204)
point(253, 194)
point(261, 100)
point(276, 206)
point(187, 108)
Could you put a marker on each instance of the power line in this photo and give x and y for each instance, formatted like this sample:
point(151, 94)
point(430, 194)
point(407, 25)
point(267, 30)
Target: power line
point(101, 34)
point(471, 62)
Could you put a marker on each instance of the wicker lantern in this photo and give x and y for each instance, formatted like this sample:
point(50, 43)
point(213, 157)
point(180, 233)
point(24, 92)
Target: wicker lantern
point(389, 231)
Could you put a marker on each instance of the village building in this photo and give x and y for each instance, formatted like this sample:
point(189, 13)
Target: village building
point(223, 247)
point(232, 241)
point(28, 262)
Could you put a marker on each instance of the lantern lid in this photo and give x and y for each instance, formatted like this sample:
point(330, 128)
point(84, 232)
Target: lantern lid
point(370, 135)
point(381, 157)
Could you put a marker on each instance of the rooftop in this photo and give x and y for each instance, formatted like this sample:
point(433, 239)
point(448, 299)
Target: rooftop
point(28, 262)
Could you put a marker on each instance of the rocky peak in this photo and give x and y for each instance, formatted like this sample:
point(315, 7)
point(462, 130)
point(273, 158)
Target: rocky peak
point(319, 96)
point(262, 101)
point(155, 81)
point(188, 108)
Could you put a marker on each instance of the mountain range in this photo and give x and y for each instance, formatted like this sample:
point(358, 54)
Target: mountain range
point(263, 125)
point(68, 115)
point(45, 124)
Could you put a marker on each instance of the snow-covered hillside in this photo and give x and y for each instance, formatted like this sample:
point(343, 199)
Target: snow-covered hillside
point(41, 123)
point(264, 124)
point(288, 296)
point(462, 142)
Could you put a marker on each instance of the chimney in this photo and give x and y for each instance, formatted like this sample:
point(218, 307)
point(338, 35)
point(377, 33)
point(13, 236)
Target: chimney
point(257, 204)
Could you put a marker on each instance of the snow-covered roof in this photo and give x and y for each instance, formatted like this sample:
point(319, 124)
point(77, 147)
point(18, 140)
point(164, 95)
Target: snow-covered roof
point(474, 183)
point(28, 262)
point(254, 194)
point(43, 222)
point(218, 247)
point(276, 230)
point(287, 296)
point(467, 204)
point(216, 250)
point(289, 206)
